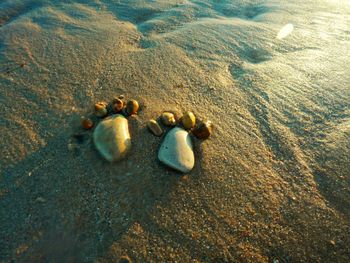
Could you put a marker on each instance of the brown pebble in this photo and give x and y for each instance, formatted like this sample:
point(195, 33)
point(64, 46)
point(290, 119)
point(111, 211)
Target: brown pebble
point(101, 109)
point(132, 106)
point(87, 123)
point(118, 105)
point(168, 119)
point(125, 259)
point(154, 127)
point(188, 120)
point(203, 130)
point(116, 99)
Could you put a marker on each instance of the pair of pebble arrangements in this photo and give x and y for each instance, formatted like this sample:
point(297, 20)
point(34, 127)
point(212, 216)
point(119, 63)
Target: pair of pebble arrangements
point(112, 138)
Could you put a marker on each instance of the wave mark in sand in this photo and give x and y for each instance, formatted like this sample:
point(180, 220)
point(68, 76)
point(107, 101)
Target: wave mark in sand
point(272, 182)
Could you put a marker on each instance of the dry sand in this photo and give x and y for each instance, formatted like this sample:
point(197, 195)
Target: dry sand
point(272, 183)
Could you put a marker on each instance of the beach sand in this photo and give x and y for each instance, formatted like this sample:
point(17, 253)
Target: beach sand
point(272, 184)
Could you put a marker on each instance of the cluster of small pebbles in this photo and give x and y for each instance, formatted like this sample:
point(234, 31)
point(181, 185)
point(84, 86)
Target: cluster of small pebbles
point(200, 129)
point(112, 138)
point(103, 109)
point(167, 118)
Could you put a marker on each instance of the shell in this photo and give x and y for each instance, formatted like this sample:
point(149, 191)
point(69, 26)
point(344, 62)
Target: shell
point(132, 106)
point(154, 127)
point(101, 109)
point(203, 130)
point(188, 120)
point(168, 119)
point(87, 123)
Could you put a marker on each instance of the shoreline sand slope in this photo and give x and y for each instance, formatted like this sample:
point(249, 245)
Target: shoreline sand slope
point(273, 181)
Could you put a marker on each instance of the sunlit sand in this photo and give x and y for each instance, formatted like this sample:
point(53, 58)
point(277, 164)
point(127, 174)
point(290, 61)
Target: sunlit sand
point(271, 184)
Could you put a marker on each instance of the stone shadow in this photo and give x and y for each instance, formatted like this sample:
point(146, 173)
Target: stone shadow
point(65, 202)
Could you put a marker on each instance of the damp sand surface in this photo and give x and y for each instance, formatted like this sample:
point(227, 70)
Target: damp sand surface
point(272, 183)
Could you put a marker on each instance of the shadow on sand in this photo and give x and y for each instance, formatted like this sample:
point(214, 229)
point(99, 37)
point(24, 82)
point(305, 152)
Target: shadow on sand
point(59, 204)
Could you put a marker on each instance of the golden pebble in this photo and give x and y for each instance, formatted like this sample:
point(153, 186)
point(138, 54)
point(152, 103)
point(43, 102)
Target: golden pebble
point(154, 127)
point(118, 105)
point(87, 123)
point(132, 106)
point(168, 119)
point(188, 120)
point(203, 130)
point(101, 109)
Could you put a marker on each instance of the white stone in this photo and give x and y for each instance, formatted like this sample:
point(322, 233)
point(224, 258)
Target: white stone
point(112, 138)
point(176, 151)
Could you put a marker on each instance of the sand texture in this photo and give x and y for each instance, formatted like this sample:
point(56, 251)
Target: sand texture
point(272, 184)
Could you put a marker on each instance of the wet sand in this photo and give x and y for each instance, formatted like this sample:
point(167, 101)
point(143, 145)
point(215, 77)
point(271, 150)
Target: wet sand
point(272, 183)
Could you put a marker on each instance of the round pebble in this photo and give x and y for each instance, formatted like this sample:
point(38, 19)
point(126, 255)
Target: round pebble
point(87, 123)
point(132, 106)
point(117, 99)
point(168, 119)
point(203, 130)
point(112, 137)
point(118, 105)
point(154, 127)
point(101, 109)
point(188, 120)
